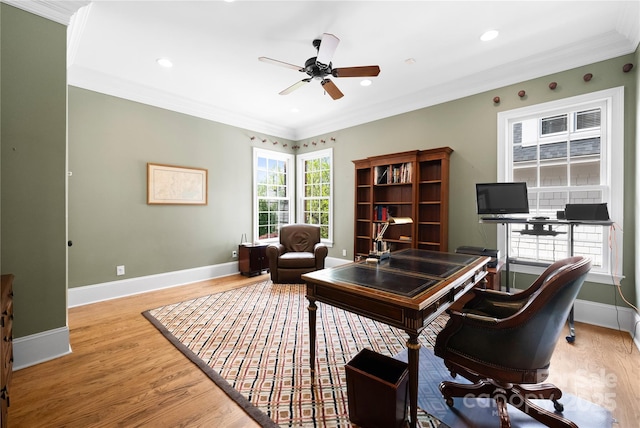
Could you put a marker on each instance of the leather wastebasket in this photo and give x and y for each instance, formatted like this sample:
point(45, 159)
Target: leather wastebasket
point(377, 390)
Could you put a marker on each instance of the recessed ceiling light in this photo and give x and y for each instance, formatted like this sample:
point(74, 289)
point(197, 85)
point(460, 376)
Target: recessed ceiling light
point(164, 62)
point(365, 82)
point(295, 110)
point(489, 35)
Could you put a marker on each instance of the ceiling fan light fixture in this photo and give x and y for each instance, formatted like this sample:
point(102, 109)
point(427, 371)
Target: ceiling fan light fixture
point(164, 62)
point(320, 68)
point(489, 35)
point(365, 82)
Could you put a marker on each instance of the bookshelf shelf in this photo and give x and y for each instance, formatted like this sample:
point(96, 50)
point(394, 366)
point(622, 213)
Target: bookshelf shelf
point(411, 184)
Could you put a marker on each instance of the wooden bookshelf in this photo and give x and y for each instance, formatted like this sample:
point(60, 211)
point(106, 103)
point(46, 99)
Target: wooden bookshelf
point(411, 184)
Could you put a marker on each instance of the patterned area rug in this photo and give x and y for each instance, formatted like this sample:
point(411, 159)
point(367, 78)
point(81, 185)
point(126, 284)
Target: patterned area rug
point(253, 342)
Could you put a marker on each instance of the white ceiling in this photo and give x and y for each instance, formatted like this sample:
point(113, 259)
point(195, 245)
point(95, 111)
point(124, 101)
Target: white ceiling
point(215, 45)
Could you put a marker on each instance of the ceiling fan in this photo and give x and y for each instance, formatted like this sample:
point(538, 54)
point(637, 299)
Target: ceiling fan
point(320, 68)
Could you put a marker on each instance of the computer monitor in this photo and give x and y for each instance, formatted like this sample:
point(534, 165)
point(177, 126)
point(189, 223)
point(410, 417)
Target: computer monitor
point(502, 198)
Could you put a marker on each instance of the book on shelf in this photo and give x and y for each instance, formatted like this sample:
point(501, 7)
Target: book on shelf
point(382, 213)
point(401, 173)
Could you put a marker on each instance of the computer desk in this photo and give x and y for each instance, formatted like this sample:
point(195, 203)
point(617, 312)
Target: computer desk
point(539, 230)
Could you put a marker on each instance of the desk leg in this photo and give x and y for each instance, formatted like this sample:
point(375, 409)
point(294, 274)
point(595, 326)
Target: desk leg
point(413, 347)
point(312, 337)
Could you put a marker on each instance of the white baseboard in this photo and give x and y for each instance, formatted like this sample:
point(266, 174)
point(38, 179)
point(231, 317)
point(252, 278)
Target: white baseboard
point(610, 316)
point(334, 261)
point(88, 294)
point(44, 346)
point(40, 347)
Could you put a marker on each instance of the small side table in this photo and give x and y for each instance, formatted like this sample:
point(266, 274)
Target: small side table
point(252, 259)
point(494, 276)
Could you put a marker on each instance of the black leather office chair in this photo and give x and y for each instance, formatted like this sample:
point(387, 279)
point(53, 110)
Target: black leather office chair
point(503, 342)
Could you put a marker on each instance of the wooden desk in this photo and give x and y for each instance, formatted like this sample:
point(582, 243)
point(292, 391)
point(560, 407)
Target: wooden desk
point(407, 291)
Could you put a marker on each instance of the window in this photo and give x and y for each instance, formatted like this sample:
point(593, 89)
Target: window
point(315, 181)
point(567, 151)
point(273, 193)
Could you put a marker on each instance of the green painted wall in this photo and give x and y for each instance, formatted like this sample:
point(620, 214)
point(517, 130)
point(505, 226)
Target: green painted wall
point(110, 142)
point(33, 144)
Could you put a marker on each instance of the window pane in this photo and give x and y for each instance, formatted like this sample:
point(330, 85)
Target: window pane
point(585, 197)
point(324, 232)
point(523, 154)
point(553, 175)
point(552, 125)
point(588, 119)
point(588, 147)
point(585, 174)
point(547, 203)
point(554, 151)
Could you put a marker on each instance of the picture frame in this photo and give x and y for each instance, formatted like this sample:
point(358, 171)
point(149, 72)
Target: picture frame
point(176, 185)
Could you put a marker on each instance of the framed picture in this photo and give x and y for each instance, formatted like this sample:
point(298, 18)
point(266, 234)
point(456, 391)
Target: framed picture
point(176, 185)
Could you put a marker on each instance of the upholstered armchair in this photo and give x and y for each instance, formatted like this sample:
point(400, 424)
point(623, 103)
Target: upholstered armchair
point(299, 251)
point(503, 342)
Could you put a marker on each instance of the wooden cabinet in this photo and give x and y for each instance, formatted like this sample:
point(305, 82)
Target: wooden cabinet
point(252, 259)
point(494, 276)
point(412, 184)
point(6, 345)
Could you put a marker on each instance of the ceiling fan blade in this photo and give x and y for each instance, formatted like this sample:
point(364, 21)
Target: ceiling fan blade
point(331, 89)
point(294, 86)
point(328, 46)
point(364, 71)
point(280, 63)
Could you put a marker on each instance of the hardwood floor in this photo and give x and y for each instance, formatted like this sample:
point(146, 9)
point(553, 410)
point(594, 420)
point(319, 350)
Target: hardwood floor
point(123, 372)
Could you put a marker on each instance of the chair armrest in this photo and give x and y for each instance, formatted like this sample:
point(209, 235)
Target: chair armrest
point(320, 252)
point(273, 252)
point(489, 304)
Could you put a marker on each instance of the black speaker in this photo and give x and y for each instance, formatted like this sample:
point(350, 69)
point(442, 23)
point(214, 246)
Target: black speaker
point(586, 212)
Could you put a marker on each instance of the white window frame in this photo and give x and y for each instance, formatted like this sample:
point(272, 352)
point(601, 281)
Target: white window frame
point(289, 159)
point(301, 159)
point(612, 156)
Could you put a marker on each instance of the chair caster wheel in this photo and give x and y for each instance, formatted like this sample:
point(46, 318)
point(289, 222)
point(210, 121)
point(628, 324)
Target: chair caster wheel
point(558, 406)
point(449, 401)
point(571, 339)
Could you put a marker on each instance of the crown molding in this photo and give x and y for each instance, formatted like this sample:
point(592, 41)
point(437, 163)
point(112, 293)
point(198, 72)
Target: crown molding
point(589, 51)
point(57, 11)
point(585, 52)
point(101, 82)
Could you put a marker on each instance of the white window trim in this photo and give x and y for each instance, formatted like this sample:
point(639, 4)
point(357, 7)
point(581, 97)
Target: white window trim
point(614, 156)
point(300, 188)
point(290, 159)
